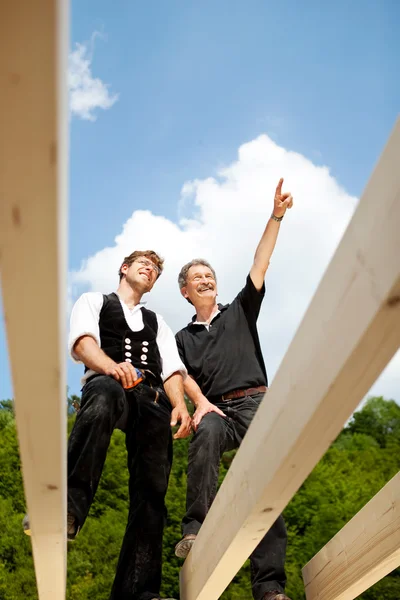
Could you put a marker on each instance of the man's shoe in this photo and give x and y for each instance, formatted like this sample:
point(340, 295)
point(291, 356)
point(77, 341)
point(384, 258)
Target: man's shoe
point(183, 547)
point(25, 525)
point(72, 527)
point(275, 595)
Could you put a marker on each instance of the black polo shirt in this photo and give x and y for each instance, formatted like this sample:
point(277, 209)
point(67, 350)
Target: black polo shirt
point(228, 356)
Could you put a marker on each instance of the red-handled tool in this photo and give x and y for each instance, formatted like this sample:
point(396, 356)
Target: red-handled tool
point(140, 378)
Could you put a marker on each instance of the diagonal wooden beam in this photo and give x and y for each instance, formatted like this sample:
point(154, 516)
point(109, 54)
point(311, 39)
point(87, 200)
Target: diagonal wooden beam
point(349, 333)
point(33, 187)
point(360, 554)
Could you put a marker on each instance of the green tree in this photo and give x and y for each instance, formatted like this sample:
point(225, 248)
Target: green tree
point(379, 419)
point(362, 459)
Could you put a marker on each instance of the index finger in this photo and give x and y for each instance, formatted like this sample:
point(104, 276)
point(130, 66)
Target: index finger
point(132, 370)
point(180, 433)
point(219, 412)
point(279, 186)
point(122, 377)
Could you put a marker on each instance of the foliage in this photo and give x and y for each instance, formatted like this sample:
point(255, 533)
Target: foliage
point(362, 459)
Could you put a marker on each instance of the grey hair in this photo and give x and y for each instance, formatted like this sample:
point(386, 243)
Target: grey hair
point(182, 277)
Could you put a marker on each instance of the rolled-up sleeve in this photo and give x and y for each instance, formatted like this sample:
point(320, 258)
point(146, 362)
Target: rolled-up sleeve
point(84, 320)
point(171, 362)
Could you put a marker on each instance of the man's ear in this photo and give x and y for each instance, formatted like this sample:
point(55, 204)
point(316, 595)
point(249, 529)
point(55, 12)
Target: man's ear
point(184, 292)
point(124, 268)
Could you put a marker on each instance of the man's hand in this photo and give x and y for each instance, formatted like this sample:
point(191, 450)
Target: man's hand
point(88, 351)
point(123, 372)
point(281, 201)
point(180, 415)
point(267, 243)
point(202, 408)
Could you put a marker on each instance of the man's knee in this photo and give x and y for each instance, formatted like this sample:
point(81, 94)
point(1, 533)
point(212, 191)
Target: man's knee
point(211, 425)
point(102, 397)
point(210, 435)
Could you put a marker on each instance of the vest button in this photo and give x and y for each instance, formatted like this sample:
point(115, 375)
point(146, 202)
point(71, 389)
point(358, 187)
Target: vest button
point(127, 341)
point(128, 347)
point(128, 353)
point(128, 360)
point(143, 357)
point(145, 343)
point(144, 349)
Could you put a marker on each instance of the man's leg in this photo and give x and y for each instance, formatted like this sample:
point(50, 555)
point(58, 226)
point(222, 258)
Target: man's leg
point(149, 445)
point(103, 403)
point(210, 441)
point(268, 559)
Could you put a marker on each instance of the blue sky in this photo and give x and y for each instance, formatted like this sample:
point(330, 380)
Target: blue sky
point(196, 80)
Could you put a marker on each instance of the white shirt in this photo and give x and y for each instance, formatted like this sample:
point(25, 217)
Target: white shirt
point(85, 321)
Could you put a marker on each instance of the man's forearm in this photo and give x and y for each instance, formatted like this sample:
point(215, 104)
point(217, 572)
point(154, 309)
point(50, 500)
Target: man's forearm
point(265, 248)
point(92, 356)
point(174, 389)
point(264, 252)
point(192, 390)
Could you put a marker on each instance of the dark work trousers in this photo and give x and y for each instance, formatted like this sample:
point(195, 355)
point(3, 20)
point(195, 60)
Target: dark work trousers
point(146, 415)
point(216, 435)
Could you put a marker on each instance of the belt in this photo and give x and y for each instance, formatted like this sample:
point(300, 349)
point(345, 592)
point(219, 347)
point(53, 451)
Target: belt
point(242, 393)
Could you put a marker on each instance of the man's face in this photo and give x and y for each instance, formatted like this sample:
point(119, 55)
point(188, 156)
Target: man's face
point(142, 274)
point(201, 287)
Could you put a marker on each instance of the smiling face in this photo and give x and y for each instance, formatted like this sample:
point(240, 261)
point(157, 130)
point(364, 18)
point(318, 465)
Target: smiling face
point(201, 287)
point(141, 274)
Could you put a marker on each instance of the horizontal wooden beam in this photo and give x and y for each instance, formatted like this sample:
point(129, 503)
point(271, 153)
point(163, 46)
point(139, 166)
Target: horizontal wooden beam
point(33, 187)
point(362, 553)
point(349, 333)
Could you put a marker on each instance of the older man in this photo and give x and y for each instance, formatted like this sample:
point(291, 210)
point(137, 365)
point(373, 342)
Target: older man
point(221, 351)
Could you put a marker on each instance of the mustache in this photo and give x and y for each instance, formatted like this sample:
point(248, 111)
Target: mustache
point(203, 287)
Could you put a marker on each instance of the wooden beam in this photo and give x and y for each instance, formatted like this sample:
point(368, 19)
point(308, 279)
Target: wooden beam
point(33, 187)
point(349, 333)
point(364, 551)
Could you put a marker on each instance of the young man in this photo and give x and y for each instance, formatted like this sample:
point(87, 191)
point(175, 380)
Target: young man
point(227, 378)
point(111, 335)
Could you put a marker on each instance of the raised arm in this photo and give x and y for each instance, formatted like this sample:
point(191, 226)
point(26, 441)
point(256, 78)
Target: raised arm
point(266, 246)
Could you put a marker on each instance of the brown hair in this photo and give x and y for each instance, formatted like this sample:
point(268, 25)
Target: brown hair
point(153, 256)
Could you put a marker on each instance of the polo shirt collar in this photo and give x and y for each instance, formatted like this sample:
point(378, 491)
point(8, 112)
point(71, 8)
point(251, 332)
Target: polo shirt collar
point(221, 308)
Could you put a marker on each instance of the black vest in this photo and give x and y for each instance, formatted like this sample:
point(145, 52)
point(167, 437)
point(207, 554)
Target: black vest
point(121, 344)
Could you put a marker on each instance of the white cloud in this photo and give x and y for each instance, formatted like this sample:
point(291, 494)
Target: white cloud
point(225, 217)
point(86, 93)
